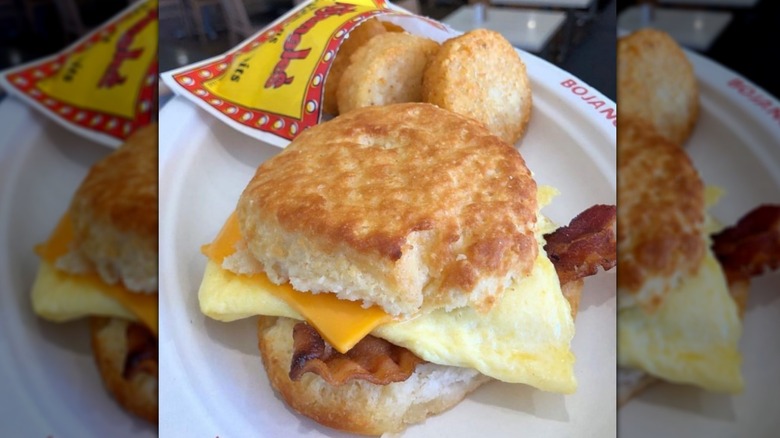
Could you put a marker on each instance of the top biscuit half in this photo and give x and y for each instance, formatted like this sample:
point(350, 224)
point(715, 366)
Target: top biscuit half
point(114, 214)
point(661, 215)
point(408, 206)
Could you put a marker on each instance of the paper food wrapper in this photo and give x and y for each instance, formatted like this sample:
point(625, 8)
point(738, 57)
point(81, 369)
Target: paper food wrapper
point(271, 86)
point(104, 86)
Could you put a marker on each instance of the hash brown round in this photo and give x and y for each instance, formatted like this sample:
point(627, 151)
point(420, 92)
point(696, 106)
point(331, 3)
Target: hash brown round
point(480, 75)
point(387, 69)
point(357, 38)
point(656, 83)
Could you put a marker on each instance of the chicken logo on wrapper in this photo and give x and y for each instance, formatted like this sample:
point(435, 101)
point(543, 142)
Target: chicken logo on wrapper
point(327, 58)
point(104, 85)
point(274, 82)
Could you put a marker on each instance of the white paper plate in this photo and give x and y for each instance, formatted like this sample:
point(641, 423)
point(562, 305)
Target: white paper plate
point(736, 146)
point(48, 378)
point(212, 379)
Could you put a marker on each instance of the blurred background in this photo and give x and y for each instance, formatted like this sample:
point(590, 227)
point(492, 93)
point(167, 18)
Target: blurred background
point(577, 35)
point(30, 29)
point(742, 35)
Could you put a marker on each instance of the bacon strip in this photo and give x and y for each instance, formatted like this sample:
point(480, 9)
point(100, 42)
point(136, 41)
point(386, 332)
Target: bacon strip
point(141, 352)
point(372, 359)
point(589, 241)
point(576, 251)
point(752, 246)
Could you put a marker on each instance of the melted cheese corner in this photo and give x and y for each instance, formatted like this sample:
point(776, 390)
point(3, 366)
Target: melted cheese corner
point(692, 338)
point(226, 296)
point(60, 297)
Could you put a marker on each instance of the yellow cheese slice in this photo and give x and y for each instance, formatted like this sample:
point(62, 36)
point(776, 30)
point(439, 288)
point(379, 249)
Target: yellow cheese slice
point(525, 338)
point(340, 322)
point(143, 306)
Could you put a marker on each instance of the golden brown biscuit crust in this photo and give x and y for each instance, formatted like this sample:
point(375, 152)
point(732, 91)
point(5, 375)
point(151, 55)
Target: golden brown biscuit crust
point(660, 215)
point(479, 74)
point(114, 212)
point(136, 391)
point(357, 37)
point(656, 83)
point(425, 205)
point(359, 406)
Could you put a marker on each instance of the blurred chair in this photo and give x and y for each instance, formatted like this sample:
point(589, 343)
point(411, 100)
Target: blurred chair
point(70, 16)
point(692, 28)
point(13, 25)
point(175, 11)
point(712, 3)
point(237, 19)
point(31, 8)
point(68, 11)
point(532, 30)
point(196, 11)
point(8, 9)
point(578, 14)
point(412, 6)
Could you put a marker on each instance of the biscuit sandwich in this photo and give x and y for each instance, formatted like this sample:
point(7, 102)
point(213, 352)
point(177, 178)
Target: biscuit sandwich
point(101, 262)
point(684, 281)
point(397, 259)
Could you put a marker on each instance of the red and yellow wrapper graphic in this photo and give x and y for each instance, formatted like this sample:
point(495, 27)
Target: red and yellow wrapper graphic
point(274, 81)
point(103, 86)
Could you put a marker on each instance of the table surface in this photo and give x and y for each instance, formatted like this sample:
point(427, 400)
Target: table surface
point(573, 4)
point(527, 29)
point(715, 3)
point(747, 42)
point(694, 29)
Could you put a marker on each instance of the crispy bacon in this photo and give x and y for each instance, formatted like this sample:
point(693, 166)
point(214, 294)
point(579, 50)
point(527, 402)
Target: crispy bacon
point(576, 251)
point(141, 352)
point(372, 359)
point(752, 246)
point(589, 241)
